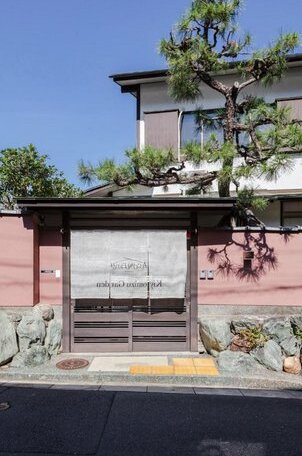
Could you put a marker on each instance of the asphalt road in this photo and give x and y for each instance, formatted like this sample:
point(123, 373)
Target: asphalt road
point(54, 421)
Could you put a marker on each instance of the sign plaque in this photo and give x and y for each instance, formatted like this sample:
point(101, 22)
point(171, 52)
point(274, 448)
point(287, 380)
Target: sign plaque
point(128, 264)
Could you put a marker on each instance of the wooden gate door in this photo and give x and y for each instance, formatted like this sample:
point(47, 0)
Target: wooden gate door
point(130, 291)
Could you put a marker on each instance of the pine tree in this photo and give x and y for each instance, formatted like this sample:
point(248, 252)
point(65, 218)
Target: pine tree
point(257, 136)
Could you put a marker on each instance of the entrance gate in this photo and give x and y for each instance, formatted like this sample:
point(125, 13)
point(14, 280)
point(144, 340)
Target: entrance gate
point(130, 290)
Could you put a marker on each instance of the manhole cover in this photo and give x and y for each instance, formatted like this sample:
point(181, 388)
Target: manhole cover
point(4, 406)
point(69, 364)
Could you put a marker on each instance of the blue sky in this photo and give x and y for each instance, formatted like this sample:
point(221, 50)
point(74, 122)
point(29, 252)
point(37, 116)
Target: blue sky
point(56, 56)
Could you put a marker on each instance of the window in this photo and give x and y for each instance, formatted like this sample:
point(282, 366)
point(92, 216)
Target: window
point(192, 130)
point(292, 213)
point(295, 104)
point(161, 129)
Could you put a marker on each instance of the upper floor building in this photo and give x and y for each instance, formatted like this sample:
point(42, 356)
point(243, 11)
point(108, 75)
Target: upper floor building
point(165, 123)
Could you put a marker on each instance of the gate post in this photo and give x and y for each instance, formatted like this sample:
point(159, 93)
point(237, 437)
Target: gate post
point(66, 283)
point(130, 330)
point(194, 283)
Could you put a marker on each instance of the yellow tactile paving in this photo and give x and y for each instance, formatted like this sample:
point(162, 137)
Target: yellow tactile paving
point(182, 362)
point(140, 370)
point(184, 370)
point(162, 370)
point(204, 362)
point(206, 371)
point(180, 366)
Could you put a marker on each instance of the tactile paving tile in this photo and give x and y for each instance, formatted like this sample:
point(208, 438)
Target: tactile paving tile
point(182, 362)
point(204, 362)
point(136, 370)
point(162, 370)
point(184, 370)
point(206, 370)
point(180, 366)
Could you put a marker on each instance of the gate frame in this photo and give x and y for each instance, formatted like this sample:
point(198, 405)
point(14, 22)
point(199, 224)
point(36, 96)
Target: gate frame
point(63, 206)
point(191, 285)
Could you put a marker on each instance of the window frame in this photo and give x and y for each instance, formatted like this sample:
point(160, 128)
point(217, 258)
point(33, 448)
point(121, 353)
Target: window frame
point(279, 100)
point(287, 214)
point(183, 113)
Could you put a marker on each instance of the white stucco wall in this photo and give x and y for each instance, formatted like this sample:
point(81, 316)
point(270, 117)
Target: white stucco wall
point(155, 97)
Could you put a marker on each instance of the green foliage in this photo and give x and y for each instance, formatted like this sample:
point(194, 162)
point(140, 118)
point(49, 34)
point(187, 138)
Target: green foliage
point(206, 40)
point(143, 164)
point(248, 199)
point(298, 333)
point(24, 172)
point(254, 336)
point(269, 65)
point(258, 137)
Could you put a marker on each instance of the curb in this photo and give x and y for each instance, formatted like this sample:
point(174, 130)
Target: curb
point(240, 393)
point(82, 378)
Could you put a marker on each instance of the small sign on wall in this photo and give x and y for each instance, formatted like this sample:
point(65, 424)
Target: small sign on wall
point(57, 272)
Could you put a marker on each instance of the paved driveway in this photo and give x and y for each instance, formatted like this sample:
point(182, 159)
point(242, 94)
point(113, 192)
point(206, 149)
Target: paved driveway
point(59, 421)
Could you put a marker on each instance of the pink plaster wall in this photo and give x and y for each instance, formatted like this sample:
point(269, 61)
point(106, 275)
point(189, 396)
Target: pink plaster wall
point(275, 278)
point(18, 262)
point(51, 259)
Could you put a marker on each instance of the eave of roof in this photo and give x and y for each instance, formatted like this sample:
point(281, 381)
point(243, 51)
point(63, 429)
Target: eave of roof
point(135, 202)
point(141, 75)
point(284, 197)
point(92, 190)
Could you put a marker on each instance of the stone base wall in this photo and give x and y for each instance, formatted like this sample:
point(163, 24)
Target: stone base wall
point(29, 336)
point(229, 311)
point(251, 343)
point(58, 312)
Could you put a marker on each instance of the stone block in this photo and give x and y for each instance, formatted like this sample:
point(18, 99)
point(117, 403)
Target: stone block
point(215, 334)
point(31, 357)
point(53, 337)
point(31, 331)
point(292, 365)
point(44, 311)
point(270, 356)
point(237, 363)
point(8, 339)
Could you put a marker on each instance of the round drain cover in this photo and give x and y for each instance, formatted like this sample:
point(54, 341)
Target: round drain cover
point(69, 364)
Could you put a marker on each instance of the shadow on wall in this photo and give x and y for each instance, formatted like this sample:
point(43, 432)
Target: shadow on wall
point(254, 256)
point(28, 221)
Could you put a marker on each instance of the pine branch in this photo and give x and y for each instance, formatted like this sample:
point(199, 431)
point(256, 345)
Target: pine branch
point(202, 178)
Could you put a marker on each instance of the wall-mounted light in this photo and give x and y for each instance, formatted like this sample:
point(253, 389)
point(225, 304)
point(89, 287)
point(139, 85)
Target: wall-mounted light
point(248, 256)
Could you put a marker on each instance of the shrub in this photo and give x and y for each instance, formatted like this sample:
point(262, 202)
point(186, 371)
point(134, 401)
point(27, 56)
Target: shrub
point(254, 336)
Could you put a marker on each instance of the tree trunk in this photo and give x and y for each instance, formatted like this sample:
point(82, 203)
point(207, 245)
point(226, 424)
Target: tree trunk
point(230, 107)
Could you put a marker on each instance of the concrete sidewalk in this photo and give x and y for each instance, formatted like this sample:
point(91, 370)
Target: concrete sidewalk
point(113, 369)
point(172, 365)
